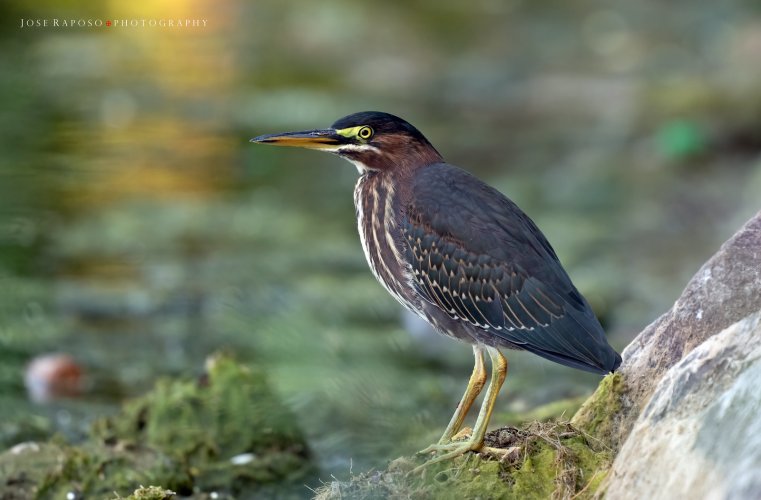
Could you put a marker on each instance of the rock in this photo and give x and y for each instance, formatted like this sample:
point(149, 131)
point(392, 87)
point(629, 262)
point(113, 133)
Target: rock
point(724, 291)
point(700, 434)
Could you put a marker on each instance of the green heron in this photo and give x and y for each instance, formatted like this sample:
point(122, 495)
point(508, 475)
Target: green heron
point(462, 256)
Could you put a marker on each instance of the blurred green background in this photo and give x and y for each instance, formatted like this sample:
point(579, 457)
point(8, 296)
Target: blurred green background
point(141, 231)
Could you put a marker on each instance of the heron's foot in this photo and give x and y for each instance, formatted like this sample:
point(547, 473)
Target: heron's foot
point(445, 444)
point(461, 444)
point(448, 451)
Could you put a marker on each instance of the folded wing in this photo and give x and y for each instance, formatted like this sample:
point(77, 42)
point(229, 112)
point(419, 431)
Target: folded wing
point(481, 260)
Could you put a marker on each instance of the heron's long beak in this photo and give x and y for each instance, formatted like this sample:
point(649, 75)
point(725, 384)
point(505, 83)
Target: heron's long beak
point(326, 139)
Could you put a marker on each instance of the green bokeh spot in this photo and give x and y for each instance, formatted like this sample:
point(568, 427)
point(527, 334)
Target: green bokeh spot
point(680, 138)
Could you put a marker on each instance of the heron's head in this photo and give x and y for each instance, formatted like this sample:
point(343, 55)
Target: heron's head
point(371, 140)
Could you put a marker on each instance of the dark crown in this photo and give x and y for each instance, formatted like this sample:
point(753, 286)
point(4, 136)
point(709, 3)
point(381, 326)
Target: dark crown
point(382, 123)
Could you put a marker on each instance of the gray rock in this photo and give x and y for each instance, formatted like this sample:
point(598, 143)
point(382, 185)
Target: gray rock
point(724, 291)
point(700, 434)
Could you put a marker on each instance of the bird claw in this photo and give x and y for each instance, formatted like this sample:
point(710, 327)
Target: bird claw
point(448, 444)
point(451, 450)
point(460, 444)
point(457, 445)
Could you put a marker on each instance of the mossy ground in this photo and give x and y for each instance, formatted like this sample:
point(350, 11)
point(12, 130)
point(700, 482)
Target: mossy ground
point(597, 415)
point(547, 460)
point(151, 493)
point(226, 433)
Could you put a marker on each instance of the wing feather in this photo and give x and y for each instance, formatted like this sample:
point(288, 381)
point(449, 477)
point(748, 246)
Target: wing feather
point(481, 260)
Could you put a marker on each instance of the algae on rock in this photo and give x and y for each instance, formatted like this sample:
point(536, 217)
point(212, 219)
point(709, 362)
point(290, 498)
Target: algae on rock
point(225, 433)
point(596, 415)
point(725, 290)
point(55, 470)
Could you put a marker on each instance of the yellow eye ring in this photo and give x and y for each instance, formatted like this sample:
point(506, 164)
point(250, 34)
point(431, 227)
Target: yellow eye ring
point(365, 133)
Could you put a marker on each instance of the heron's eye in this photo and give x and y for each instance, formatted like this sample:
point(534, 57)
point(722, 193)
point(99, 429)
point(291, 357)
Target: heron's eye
point(365, 133)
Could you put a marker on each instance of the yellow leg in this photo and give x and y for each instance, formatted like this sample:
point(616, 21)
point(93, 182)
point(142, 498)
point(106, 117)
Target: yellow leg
point(498, 376)
point(476, 441)
point(474, 388)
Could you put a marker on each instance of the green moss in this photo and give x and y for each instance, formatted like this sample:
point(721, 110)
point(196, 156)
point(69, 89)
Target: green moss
point(561, 463)
point(467, 477)
point(232, 411)
point(535, 477)
point(24, 467)
point(226, 433)
point(230, 431)
point(550, 460)
point(151, 493)
point(52, 470)
point(597, 415)
point(591, 465)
